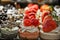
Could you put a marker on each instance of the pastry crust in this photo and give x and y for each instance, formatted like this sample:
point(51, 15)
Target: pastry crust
point(29, 35)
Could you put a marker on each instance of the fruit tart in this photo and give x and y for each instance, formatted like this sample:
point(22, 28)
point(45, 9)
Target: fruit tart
point(29, 26)
point(49, 28)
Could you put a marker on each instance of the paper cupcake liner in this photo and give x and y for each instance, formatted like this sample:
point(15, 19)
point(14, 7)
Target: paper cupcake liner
point(49, 36)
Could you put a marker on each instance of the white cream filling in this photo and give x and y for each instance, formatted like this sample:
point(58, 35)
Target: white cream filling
point(15, 28)
point(57, 10)
point(38, 14)
point(11, 11)
point(28, 28)
point(26, 8)
point(9, 31)
point(18, 21)
point(1, 7)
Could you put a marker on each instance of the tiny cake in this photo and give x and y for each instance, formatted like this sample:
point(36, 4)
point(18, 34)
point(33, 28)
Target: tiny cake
point(50, 27)
point(29, 26)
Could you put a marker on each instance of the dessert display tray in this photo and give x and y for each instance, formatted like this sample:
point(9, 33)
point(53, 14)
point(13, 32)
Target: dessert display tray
point(17, 38)
point(23, 5)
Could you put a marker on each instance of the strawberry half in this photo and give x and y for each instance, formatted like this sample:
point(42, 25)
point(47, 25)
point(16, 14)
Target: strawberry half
point(35, 22)
point(30, 5)
point(26, 17)
point(30, 16)
point(45, 13)
point(48, 17)
point(49, 25)
point(27, 11)
point(35, 7)
point(27, 22)
point(33, 10)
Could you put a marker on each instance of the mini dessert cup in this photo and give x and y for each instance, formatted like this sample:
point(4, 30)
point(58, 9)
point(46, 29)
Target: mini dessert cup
point(9, 31)
point(29, 36)
point(49, 36)
point(29, 25)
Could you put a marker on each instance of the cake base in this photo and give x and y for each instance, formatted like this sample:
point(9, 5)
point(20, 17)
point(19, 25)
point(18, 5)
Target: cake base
point(49, 36)
point(28, 36)
point(10, 36)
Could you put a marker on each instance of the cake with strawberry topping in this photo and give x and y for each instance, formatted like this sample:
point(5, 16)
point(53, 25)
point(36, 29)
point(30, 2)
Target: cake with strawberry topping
point(49, 29)
point(29, 26)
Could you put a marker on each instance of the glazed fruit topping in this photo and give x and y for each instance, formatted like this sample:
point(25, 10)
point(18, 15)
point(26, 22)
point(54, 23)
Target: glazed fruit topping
point(49, 25)
point(30, 16)
point(35, 22)
point(48, 17)
point(29, 5)
point(44, 7)
point(27, 22)
point(45, 13)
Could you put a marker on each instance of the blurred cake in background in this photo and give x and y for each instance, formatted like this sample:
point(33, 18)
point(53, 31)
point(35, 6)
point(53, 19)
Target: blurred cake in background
point(10, 18)
point(9, 30)
point(50, 27)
